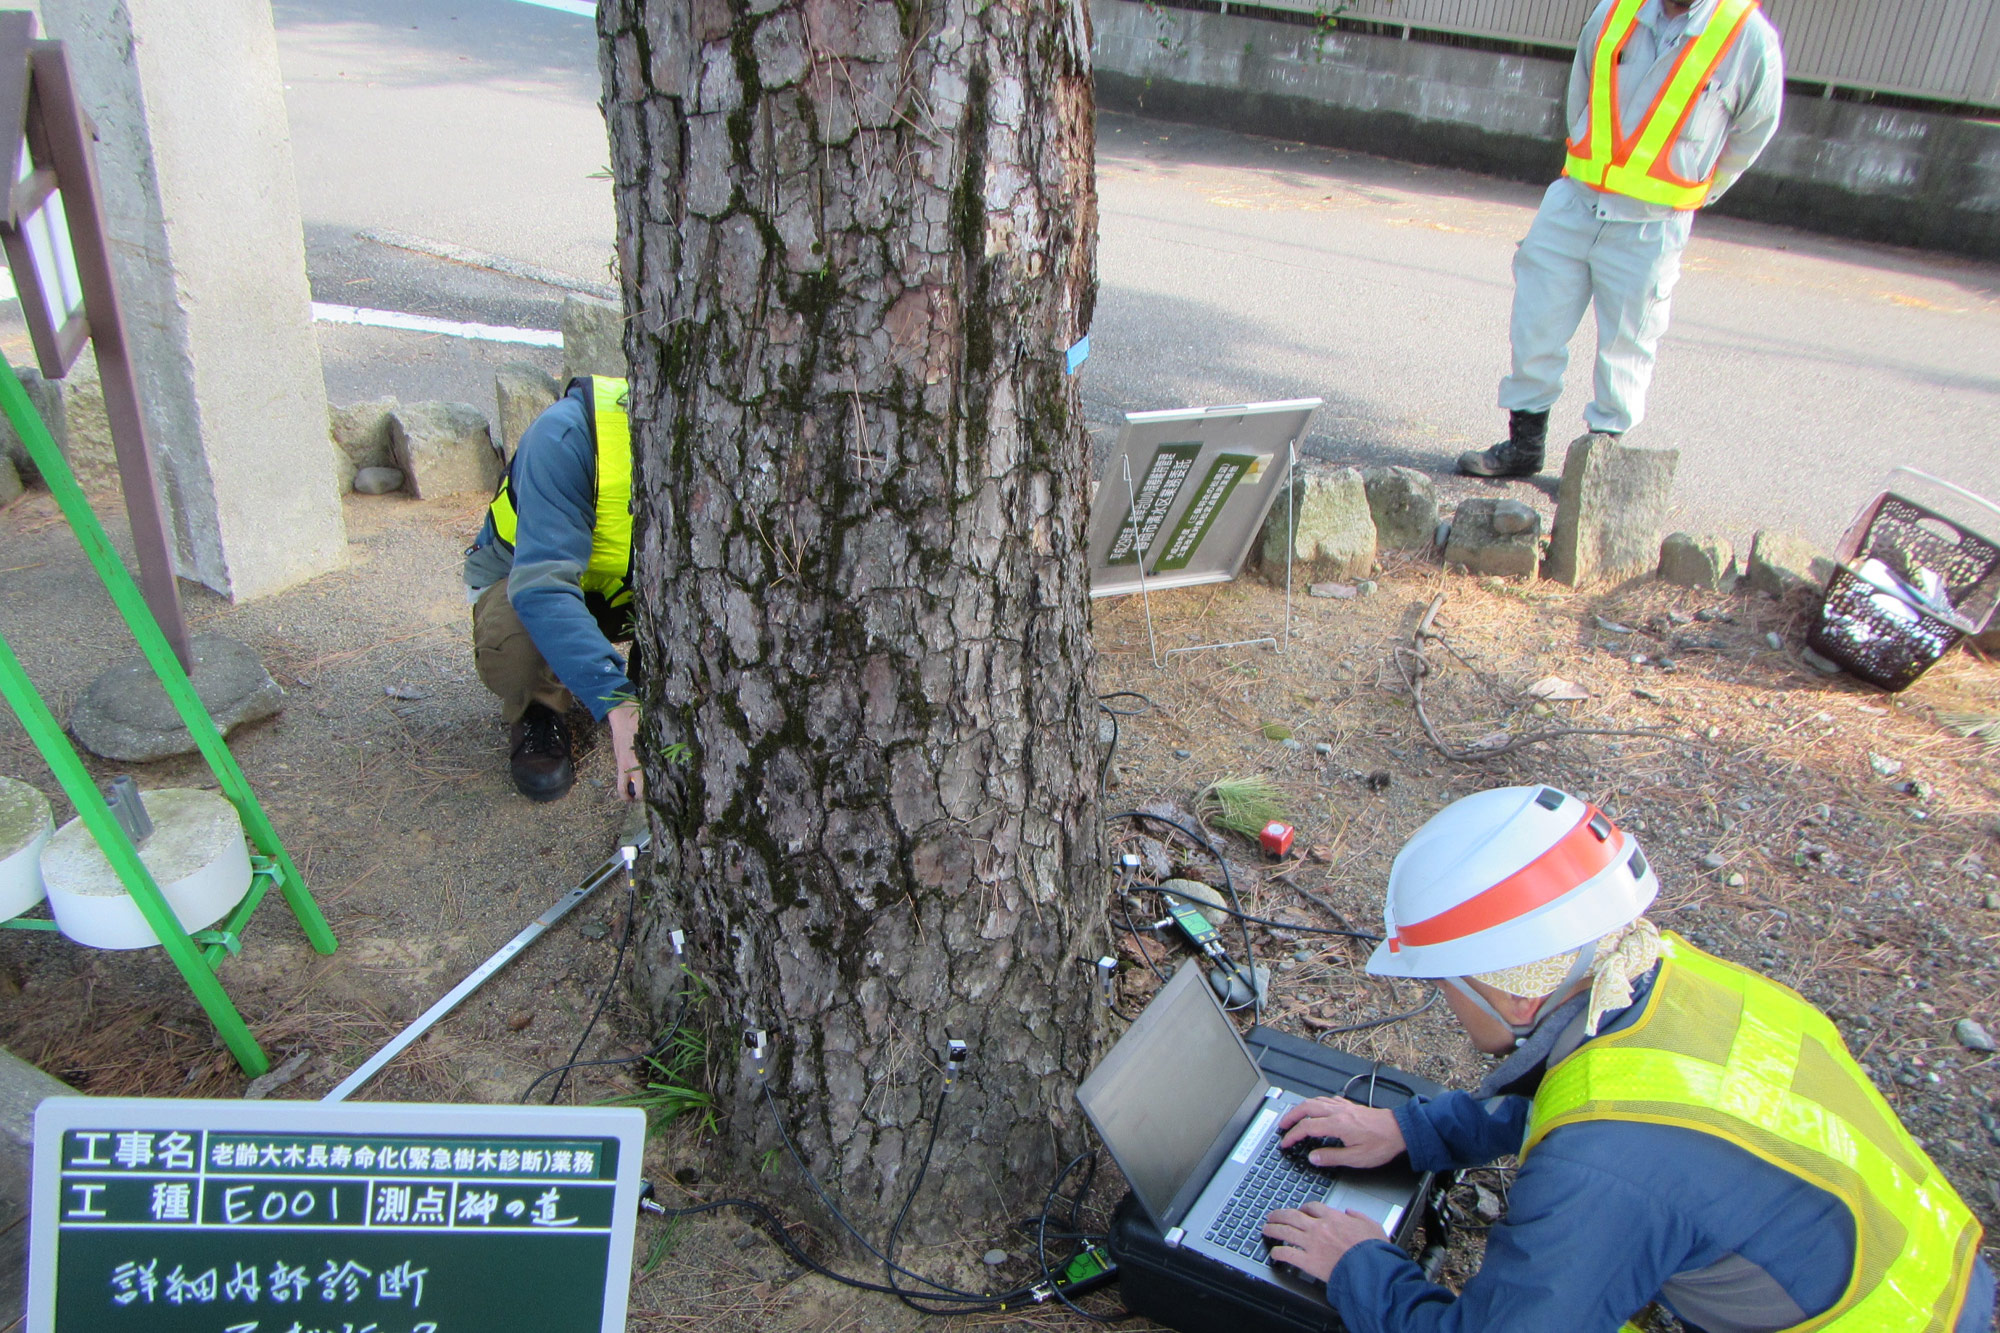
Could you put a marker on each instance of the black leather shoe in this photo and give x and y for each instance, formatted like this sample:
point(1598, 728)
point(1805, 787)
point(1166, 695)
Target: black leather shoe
point(541, 763)
point(1519, 455)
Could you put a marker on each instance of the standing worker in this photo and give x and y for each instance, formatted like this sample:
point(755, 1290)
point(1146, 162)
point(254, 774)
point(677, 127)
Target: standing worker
point(1669, 102)
point(550, 580)
point(1689, 1131)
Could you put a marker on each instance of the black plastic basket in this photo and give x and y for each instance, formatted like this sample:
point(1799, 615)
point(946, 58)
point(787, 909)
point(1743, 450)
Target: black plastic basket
point(1891, 648)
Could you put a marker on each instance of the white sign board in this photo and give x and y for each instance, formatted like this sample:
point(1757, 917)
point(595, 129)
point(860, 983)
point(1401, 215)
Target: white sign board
point(1185, 493)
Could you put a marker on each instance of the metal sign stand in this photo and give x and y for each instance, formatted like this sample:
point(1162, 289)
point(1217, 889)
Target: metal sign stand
point(1139, 553)
point(197, 955)
point(622, 859)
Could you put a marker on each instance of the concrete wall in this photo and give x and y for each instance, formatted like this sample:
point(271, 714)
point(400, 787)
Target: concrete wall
point(208, 251)
point(1846, 168)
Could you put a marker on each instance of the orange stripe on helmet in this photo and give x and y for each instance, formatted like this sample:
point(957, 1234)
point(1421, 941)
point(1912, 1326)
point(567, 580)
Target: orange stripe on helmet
point(1577, 857)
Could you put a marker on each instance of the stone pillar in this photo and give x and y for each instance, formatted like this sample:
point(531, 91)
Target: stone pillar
point(209, 255)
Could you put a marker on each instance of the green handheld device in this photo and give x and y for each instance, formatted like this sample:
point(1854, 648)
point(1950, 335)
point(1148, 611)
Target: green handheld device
point(1192, 923)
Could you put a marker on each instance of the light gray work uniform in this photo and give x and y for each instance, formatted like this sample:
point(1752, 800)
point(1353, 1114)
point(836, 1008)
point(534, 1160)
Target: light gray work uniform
point(1589, 247)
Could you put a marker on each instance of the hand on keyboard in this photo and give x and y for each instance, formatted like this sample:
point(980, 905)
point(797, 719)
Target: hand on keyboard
point(1351, 1134)
point(1314, 1237)
point(1300, 1150)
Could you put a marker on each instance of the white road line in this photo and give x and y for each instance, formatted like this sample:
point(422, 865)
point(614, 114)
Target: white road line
point(396, 319)
point(580, 8)
point(458, 254)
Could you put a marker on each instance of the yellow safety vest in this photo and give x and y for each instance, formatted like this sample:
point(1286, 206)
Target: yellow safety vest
point(1638, 164)
point(609, 574)
point(1725, 1051)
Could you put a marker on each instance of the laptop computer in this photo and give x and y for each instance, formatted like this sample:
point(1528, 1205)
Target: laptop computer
point(1192, 1121)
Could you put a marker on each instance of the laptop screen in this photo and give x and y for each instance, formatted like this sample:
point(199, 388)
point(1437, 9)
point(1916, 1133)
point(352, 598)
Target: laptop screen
point(1169, 1088)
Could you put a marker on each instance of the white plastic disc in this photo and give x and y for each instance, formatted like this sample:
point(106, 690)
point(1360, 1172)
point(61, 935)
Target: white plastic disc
point(25, 826)
point(196, 855)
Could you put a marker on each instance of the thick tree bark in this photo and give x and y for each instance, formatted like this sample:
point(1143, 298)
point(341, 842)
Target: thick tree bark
point(856, 239)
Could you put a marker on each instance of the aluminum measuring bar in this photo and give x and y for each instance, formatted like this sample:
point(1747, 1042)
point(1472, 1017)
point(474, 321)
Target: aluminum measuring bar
point(618, 862)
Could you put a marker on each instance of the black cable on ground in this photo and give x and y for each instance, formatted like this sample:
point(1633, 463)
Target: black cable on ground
point(1042, 1235)
point(1287, 925)
point(1151, 966)
point(1429, 1000)
point(1228, 883)
point(798, 1158)
point(603, 998)
point(903, 1213)
point(653, 1052)
point(776, 1226)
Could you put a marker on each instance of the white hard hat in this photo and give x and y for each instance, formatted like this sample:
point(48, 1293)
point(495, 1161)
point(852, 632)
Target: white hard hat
point(1505, 877)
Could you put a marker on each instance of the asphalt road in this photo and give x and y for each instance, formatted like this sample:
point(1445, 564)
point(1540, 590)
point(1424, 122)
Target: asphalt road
point(1798, 370)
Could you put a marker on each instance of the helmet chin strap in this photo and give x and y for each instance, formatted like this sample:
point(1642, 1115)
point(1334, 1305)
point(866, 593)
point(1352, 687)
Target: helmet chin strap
point(1522, 1031)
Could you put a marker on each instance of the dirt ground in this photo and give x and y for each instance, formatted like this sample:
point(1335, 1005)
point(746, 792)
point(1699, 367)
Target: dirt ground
point(386, 776)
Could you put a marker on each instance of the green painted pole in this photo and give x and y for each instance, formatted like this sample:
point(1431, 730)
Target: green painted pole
point(131, 604)
point(62, 759)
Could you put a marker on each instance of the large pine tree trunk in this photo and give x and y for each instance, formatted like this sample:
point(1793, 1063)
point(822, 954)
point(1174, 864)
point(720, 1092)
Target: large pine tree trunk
point(856, 238)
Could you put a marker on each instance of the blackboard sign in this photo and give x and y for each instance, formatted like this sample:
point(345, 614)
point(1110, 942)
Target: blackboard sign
point(304, 1217)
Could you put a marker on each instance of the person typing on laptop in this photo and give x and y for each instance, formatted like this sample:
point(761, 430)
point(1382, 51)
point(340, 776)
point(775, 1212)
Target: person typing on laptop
point(1689, 1131)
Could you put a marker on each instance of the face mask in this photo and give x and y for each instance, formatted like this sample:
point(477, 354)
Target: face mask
point(1522, 1031)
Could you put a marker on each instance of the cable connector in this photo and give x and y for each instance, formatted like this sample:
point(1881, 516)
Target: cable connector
point(649, 1201)
point(1128, 865)
point(1107, 976)
point(756, 1057)
point(679, 940)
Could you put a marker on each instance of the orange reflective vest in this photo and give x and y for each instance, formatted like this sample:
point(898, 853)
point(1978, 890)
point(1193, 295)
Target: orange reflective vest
point(1639, 164)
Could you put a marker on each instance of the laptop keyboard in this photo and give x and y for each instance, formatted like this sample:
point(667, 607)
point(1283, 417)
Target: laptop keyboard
point(1272, 1182)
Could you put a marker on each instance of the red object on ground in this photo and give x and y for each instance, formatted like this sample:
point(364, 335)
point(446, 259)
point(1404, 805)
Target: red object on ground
point(1277, 838)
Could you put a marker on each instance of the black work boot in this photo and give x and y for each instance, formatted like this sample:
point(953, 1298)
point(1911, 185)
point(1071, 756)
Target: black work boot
point(1519, 455)
point(541, 763)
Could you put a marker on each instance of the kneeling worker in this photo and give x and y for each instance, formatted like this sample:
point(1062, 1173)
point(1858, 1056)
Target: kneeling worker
point(550, 579)
point(1689, 1131)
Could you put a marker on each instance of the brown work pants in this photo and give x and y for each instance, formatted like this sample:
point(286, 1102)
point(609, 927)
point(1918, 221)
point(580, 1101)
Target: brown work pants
point(507, 660)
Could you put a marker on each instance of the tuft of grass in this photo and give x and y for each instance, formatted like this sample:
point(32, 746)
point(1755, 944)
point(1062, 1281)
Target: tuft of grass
point(676, 1081)
point(666, 1238)
point(1241, 805)
point(1982, 727)
point(676, 1084)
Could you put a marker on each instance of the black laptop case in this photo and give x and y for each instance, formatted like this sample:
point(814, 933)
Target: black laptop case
point(1192, 1293)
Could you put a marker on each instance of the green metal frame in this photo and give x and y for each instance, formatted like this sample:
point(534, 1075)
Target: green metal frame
point(197, 955)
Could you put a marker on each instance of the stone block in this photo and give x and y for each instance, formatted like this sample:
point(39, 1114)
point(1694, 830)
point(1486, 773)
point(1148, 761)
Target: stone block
point(522, 391)
point(1787, 566)
point(1610, 508)
point(445, 449)
point(50, 402)
point(378, 480)
point(22, 1088)
point(362, 437)
point(194, 156)
point(593, 333)
point(1476, 539)
point(1404, 504)
point(126, 715)
point(1689, 561)
point(11, 486)
point(1331, 533)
